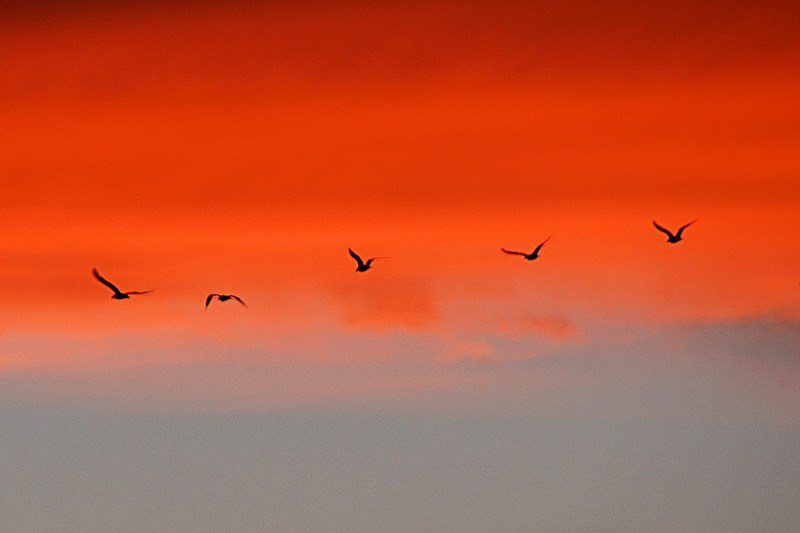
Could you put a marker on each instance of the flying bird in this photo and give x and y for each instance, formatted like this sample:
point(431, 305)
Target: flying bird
point(362, 266)
point(670, 237)
point(531, 256)
point(224, 298)
point(118, 294)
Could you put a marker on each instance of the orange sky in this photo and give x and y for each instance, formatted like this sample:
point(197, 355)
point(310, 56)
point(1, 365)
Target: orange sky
point(410, 104)
point(243, 148)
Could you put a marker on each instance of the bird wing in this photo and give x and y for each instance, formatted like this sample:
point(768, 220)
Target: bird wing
point(512, 252)
point(355, 256)
point(536, 251)
point(684, 227)
point(105, 282)
point(210, 297)
point(139, 292)
point(238, 300)
point(659, 228)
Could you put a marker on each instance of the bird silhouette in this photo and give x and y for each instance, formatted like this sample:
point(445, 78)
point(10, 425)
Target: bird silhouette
point(531, 256)
point(670, 237)
point(118, 294)
point(362, 266)
point(224, 298)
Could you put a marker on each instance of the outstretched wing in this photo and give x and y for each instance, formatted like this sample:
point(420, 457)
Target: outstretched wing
point(536, 251)
point(139, 292)
point(210, 297)
point(512, 252)
point(355, 256)
point(659, 228)
point(105, 282)
point(684, 227)
point(238, 300)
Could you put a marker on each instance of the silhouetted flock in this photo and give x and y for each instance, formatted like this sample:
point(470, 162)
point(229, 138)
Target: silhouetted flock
point(363, 266)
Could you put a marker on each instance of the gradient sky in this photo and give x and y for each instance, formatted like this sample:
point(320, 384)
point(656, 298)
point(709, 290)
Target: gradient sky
point(617, 383)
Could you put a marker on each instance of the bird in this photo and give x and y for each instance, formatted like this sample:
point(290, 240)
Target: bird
point(670, 237)
point(362, 266)
point(531, 256)
point(118, 295)
point(223, 298)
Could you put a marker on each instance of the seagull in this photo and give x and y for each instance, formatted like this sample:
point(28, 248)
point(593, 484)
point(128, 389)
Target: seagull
point(223, 298)
point(118, 295)
point(531, 256)
point(670, 237)
point(362, 266)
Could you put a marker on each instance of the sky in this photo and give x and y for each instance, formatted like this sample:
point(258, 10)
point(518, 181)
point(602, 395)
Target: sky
point(616, 383)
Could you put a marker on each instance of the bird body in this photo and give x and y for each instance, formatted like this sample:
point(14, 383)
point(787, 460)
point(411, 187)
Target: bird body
point(677, 236)
point(224, 298)
point(363, 266)
point(118, 294)
point(531, 256)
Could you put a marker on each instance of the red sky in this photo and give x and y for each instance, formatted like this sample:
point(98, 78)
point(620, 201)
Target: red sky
point(296, 105)
point(242, 148)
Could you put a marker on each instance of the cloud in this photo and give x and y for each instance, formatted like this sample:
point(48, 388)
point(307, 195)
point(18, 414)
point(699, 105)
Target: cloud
point(554, 328)
point(549, 327)
point(762, 338)
point(471, 351)
point(509, 338)
point(395, 304)
point(747, 367)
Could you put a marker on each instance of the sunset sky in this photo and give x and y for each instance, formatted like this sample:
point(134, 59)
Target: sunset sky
point(617, 383)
